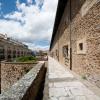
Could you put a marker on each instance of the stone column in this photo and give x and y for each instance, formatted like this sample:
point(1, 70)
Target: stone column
point(5, 52)
point(23, 52)
point(20, 53)
point(16, 53)
point(11, 53)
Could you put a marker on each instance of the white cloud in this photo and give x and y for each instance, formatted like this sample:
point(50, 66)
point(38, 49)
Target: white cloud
point(37, 47)
point(29, 1)
point(36, 24)
point(39, 2)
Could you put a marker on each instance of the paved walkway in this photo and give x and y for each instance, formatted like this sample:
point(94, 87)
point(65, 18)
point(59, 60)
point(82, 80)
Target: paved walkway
point(62, 85)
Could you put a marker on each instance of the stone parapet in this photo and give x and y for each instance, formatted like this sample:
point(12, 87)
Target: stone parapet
point(27, 87)
point(11, 72)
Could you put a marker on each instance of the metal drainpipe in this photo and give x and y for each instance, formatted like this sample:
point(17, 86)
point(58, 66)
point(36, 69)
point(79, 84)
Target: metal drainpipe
point(70, 38)
point(58, 46)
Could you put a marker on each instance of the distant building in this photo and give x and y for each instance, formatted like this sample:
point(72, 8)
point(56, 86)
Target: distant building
point(76, 37)
point(10, 48)
point(41, 54)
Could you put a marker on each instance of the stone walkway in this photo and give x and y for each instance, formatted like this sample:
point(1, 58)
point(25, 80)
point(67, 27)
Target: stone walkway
point(62, 85)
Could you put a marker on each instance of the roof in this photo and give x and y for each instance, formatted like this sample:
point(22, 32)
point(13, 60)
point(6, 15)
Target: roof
point(59, 13)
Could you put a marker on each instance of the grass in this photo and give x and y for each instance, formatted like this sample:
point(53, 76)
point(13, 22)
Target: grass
point(26, 59)
point(84, 77)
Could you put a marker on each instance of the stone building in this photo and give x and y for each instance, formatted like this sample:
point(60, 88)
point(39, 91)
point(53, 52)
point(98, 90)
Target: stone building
point(75, 41)
point(10, 48)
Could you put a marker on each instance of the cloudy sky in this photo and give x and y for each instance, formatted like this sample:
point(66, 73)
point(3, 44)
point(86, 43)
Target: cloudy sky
point(29, 21)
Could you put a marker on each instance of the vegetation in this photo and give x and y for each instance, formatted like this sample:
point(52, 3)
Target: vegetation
point(84, 77)
point(26, 59)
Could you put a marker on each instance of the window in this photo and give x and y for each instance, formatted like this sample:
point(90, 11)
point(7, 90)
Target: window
point(87, 5)
point(65, 51)
point(81, 46)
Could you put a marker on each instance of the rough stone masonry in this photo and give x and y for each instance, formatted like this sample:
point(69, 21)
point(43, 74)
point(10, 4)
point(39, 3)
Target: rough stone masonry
point(77, 28)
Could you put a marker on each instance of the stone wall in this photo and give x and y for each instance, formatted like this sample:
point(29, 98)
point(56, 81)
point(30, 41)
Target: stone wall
point(85, 34)
point(87, 63)
point(28, 87)
point(12, 72)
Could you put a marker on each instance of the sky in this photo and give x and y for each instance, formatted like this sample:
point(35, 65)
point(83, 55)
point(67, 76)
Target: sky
point(29, 21)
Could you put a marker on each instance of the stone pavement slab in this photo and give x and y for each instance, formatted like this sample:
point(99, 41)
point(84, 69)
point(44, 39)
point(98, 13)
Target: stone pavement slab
point(61, 84)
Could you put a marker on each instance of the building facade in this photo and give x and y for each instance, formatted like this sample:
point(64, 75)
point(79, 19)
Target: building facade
point(10, 48)
point(76, 37)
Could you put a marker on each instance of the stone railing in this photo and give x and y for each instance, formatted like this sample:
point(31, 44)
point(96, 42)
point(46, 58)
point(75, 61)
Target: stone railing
point(28, 87)
point(11, 72)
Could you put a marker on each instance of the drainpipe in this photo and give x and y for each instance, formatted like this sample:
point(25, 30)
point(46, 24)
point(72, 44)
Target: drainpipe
point(70, 37)
point(58, 45)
